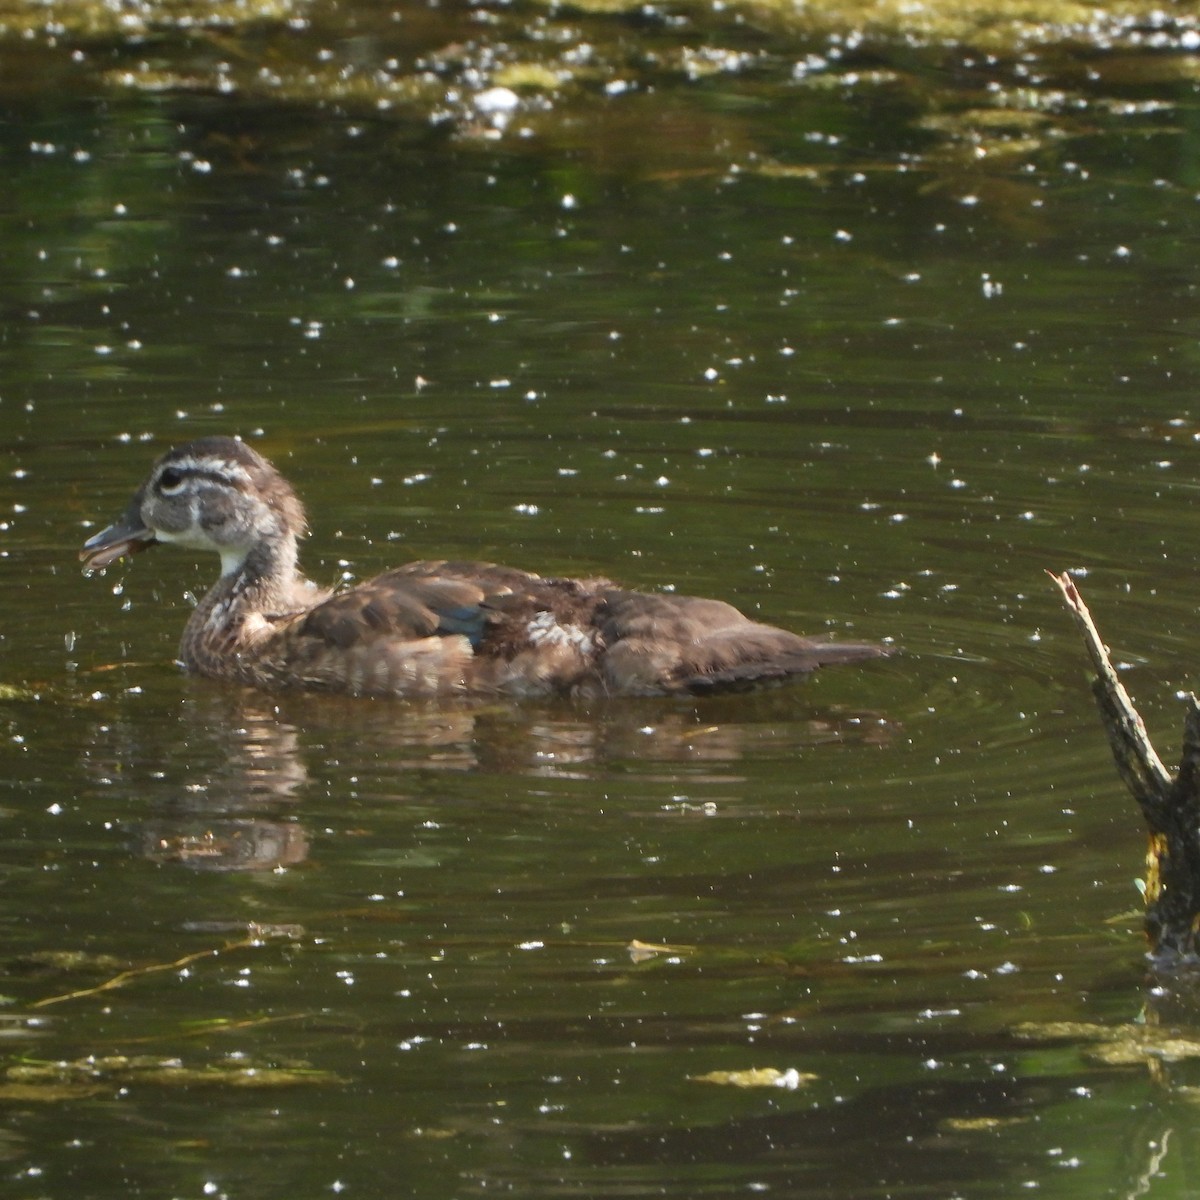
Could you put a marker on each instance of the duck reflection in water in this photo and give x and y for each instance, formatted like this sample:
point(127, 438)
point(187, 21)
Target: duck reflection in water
point(225, 781)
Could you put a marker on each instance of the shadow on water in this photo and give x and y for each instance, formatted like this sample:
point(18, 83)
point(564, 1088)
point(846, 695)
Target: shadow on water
point(911, 1135)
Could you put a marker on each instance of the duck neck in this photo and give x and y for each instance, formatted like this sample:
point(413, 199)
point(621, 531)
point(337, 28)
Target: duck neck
point(254, 589)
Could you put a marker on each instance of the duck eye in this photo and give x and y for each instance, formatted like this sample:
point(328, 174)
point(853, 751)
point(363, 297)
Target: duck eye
point(170, 480)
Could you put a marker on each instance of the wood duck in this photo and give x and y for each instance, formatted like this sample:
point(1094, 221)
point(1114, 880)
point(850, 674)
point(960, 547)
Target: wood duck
point(435, 628)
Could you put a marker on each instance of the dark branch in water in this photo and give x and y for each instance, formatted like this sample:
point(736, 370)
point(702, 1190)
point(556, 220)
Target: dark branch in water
point(1170, 804)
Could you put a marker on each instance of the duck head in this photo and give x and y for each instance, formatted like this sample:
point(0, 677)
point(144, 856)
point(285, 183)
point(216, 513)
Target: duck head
point(214, 493)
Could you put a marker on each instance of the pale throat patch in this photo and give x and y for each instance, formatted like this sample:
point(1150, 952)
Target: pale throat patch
point(232, 557)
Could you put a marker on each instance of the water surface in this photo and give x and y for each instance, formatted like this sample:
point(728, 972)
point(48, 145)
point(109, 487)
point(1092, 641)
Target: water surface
point(794, 354)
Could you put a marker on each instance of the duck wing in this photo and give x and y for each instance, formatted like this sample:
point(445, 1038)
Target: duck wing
point(436, 598)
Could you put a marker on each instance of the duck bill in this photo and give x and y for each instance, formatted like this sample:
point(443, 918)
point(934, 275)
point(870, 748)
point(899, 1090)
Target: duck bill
point(124, 538)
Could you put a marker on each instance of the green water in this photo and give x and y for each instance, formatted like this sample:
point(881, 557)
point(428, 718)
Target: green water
point(785, 345)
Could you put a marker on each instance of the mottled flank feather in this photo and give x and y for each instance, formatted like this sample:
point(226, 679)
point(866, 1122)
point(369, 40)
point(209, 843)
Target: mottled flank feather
point(435, 628)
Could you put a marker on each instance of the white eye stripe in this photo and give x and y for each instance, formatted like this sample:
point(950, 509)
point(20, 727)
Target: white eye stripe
point(208, 466)
point(178, 471)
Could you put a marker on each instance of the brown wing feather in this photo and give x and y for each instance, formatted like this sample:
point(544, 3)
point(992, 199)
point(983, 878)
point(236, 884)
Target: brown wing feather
point(489, 577)
point(419, 600)
point(689, 644)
